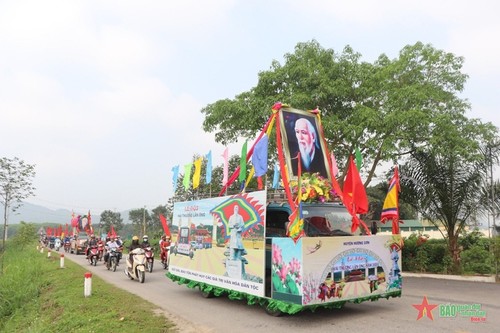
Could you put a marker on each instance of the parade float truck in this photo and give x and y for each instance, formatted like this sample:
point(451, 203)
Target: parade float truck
point(285, 251)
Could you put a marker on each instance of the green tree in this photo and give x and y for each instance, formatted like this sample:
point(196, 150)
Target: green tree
point(141, 220)
point(26, 234)
point(110, 218)
point(16, 178)
point(385, 108)
point(443, 179)
point(157, 227)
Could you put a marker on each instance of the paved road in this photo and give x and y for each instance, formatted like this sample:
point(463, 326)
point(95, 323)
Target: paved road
point(193, 313)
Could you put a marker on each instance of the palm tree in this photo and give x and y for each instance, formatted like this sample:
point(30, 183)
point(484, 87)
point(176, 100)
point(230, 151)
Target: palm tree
point(446, 190)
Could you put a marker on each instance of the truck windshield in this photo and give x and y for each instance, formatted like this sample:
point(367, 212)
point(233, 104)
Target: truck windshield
point(326, 221)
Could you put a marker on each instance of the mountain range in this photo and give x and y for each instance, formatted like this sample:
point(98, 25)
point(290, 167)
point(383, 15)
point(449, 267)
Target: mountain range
point(38, 214)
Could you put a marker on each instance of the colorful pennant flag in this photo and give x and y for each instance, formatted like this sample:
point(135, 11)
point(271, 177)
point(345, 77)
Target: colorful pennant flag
point(276, 176)
point(390, 210)
point(187, 175)
point(243, 164)
point(225, 172)
point(175, 176)
point(359, 159)
point(197, 173)
point(259, 157)
point(208, 176)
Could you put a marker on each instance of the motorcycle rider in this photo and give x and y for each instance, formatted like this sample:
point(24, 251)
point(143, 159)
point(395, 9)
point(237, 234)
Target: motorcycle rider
point(164, 246)
point(111, 244)
point(135, 244)
point(119, 240)
point(145, 242)
point(92, 242)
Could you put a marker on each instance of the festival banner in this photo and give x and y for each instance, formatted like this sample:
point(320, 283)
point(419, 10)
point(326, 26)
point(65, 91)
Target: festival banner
point(220, 241)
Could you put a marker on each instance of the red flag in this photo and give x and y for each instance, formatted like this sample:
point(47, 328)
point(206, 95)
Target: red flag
point(354, 196)
point(354, 190)
point(165, 225)
point(112, 232)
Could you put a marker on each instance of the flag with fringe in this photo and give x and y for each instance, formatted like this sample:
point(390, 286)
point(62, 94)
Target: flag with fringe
point(390, 209)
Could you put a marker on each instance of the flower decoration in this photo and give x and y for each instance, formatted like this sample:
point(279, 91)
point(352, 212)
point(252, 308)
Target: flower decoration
point(314, 188)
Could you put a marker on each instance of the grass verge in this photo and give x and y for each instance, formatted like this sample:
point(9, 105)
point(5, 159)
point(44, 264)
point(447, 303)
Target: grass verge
point(36, 295)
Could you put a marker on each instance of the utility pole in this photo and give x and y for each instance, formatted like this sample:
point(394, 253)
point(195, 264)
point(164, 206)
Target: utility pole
point(144, 221)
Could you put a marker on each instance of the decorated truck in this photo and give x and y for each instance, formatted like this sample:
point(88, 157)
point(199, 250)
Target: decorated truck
point(296, 247)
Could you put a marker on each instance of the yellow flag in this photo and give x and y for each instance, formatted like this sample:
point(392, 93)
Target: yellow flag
point(197, 173)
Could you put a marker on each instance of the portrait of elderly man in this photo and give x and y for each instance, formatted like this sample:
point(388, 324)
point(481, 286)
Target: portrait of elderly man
point(308, 144)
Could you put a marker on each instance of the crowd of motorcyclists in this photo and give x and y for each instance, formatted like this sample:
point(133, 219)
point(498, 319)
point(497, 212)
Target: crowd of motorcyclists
point(110, 244)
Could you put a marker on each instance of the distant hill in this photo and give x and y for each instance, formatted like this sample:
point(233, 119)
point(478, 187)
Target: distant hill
point(38, 214)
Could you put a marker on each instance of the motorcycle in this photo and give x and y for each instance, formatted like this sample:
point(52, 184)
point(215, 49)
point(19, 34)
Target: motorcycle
point(57, 244)
point(93, 255)
point(100, 250)
point(148, 252)
point(67, 245)
point(164, 256)
point(52, 242)
point(113, 258)
point(136, 269)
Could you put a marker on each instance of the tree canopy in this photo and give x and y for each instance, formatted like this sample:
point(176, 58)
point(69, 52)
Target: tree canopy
point(386, 108)
point(16, 184)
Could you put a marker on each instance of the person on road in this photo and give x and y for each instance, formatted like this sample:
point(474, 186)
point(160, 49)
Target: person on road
point(145, 242)
point(135, 244)
point(164, 247)
point(109, 246)
point(92, 242)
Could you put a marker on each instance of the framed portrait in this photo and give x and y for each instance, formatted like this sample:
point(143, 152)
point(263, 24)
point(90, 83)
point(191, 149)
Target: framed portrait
point(300, 133)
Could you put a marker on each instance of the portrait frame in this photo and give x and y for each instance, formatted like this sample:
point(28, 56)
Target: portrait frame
point(288, 117)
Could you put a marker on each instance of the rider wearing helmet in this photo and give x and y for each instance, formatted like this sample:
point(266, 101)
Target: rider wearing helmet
point(135, 244)
point(92, 242)
point(145, 242)
point(164, 246)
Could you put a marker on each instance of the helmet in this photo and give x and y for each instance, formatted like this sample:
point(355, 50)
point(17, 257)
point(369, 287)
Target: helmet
point(145, 237)
point(135, 238)
point(92, 236)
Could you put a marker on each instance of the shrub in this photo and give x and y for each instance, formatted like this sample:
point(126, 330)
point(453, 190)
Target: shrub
point(477, 260)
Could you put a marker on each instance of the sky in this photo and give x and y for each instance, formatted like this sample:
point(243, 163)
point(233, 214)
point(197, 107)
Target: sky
point(104, 97)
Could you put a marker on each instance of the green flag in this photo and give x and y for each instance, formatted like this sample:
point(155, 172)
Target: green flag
point(359, 159)
point(187, 175)
point(243, 163)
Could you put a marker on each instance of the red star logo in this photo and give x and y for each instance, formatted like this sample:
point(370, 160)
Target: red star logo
point(425, 309)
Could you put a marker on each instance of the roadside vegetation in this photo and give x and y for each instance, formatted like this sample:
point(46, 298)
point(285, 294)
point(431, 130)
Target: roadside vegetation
point(36, 295)
point(478, 254)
